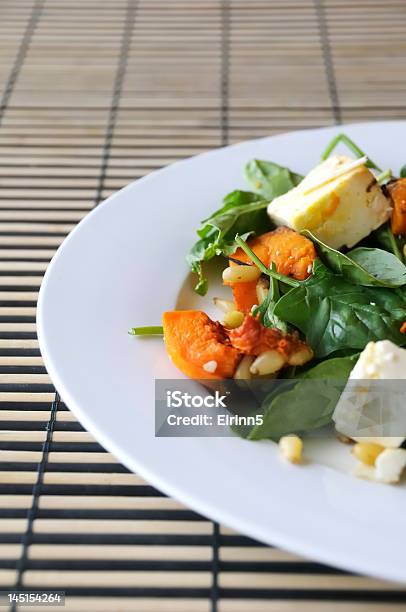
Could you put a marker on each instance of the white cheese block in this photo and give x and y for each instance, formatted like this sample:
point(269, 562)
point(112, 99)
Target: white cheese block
point(340, 208)
point(379, 361)
point(388, 467)
point(390, 464)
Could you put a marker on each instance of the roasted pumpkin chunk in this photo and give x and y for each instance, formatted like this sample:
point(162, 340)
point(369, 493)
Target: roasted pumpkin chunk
point(397, 192)
point(198, 346)
point(292, 254)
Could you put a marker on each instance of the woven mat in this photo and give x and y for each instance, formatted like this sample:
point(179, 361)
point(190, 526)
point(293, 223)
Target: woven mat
point(96, 93)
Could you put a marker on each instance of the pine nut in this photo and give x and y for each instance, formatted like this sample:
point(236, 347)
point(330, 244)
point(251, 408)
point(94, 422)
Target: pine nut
point(301, 356)
point(267, 362)
point(233, 319)
point(224, 305)
point(262, 290)
point(291, 448)
point(367, 452)
point(241, 274)
point(243, 369)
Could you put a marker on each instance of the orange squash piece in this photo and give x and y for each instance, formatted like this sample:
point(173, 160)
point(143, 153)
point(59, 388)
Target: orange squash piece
point(252, 338)
point(397, 192)
point(403, 328)
point(193, 341)
point(292, 254)
point(245, 295)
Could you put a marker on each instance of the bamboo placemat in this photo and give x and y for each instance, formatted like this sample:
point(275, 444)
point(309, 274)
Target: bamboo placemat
point(95, 93)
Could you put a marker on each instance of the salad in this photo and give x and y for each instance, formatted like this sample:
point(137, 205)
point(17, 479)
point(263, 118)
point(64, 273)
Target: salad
point(316, 269)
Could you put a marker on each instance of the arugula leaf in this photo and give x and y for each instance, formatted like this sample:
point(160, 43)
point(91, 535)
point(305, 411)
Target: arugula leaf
point(200, 251)
point(309, 401)
point(363, 266)
point(269, 179)
point(242, 212)
point(265, 311)
point(268, 271)
point(334, 314)
point(384, 177)
point(351, 145)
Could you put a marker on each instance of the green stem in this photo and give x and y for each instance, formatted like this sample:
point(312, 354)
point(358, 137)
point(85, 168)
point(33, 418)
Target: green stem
point(151, 330)
point(394, 245)
point(352, 146)
point(272, 273)
point(381, 178)
point(273, 285)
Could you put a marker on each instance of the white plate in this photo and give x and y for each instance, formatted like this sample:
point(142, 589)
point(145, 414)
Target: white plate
point(123, 266)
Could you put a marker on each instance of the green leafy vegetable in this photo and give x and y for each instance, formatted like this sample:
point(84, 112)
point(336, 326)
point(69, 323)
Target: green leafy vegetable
point(242, 212)
point(308, 404)
point(335, 315)
point(352, 146)
point(269, 179)
point(384, 176)
point(268, 271)
point(385, 268)
point(265, 311)
point(394, 244)
point(151, 330)
point(363, 266)
point(403, 171)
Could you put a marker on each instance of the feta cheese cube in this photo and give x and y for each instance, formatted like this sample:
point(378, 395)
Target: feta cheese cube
point(340, 207)
point(390, 464)
point(388, 467)
point(382, 360)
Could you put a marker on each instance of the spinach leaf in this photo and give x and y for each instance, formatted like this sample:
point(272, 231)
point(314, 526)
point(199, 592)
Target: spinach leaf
point(269, 179)
point(403, 171)
point(363, 266)
point(394, 244)
point(242, 212)
point(308, 404)
point(334, 314)
point(384, 267)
